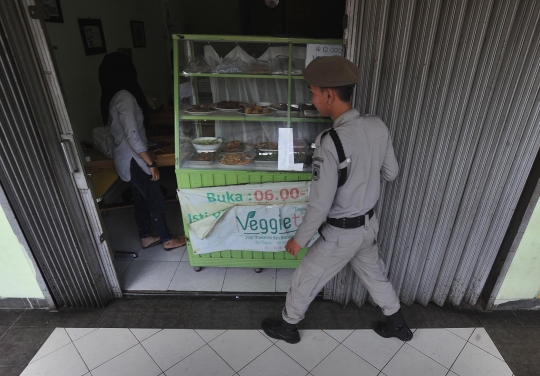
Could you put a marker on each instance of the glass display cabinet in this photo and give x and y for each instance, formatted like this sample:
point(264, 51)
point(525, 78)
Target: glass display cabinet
point(243, 116)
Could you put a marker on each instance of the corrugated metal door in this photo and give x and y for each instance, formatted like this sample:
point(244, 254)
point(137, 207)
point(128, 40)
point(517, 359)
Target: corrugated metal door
point(457, 82)
point(41, 171)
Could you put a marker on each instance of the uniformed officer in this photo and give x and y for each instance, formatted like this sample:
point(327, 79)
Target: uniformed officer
point(348, 163)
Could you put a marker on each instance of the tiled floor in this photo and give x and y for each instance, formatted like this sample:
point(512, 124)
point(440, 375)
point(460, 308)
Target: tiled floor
point(117, 352)
point(176, 335)
point(157, 270)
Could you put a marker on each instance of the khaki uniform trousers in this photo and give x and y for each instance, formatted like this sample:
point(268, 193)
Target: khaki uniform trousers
point(326, 257)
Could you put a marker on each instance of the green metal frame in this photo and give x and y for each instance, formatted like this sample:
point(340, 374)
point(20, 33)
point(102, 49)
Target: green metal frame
point(198, 178)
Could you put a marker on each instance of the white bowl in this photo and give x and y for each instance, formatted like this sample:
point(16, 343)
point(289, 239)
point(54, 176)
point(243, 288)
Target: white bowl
point(264, 104)
point(205, 148)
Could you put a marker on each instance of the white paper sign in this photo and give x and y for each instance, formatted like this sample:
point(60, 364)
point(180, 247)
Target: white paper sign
point(256, 217)
point(286, 151)
point(314, 51)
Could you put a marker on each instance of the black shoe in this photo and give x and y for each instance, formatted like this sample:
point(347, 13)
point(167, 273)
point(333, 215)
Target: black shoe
point(393, 327)
point(281, 330)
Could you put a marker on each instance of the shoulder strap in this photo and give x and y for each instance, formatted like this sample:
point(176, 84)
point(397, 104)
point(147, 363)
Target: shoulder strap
point(341, 154)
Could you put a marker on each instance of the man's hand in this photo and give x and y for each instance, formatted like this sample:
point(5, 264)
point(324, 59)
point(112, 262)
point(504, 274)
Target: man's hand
point(155, 173)
point(292, 247)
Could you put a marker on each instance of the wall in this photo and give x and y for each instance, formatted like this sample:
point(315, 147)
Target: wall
point(78, 73)
point(522, 282)
point(18, 275)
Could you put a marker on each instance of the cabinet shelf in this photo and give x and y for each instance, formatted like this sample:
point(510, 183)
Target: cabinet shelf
point(223, 116)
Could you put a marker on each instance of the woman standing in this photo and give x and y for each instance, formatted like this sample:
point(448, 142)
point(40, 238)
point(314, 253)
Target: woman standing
point(123, 108)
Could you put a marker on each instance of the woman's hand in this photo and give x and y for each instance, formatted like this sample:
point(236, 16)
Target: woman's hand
point(155, 173)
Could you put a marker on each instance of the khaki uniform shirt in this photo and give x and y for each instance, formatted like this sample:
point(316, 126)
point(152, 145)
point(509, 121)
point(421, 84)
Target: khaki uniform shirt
point(367, 144)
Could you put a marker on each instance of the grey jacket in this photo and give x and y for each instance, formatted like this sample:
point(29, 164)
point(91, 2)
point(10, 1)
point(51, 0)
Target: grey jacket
point(126, 122)
point(366, 141)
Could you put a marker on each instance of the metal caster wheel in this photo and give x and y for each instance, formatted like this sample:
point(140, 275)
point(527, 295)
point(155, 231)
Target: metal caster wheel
point(197, 268)
point(258, 270)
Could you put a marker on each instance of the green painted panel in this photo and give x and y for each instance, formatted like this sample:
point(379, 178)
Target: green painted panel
point(243, 179)
point(236, 254)
point(220, 180)
point(267, 178)
point(254, 179)
point(195, 180)
point(208, 180)
point(231, 179)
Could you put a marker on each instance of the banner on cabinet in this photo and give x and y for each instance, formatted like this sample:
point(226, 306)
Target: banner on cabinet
point(254, 217)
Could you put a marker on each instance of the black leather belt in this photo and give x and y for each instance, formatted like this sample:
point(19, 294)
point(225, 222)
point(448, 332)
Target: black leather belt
point(354, 222)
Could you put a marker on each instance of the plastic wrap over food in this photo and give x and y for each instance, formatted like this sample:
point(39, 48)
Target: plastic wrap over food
point(280, 65)
point(198, 65)
point(259, 67)
point(231, 65)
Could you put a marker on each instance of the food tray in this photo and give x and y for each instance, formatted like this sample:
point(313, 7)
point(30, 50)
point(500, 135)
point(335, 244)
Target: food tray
point(235, 149)
point(223, 155)
point(192, 159)
point(241, 105)
point(192, 110)
point(267, 148)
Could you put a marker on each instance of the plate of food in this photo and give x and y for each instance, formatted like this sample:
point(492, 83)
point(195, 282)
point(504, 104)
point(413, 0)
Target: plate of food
point(255, 110)
point(233, 147)
point(202, 159)
point(266, 159)
point(235, 159)
point(281, 108)
point(267, 146)
point(205, 144)
point(229, 105)
point(200, 109)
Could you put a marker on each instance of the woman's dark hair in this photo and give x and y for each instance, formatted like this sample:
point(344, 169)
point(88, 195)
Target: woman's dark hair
point(116, 73)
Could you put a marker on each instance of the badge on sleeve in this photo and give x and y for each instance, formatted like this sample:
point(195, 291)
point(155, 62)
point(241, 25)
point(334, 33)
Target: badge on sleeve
point(316, 171)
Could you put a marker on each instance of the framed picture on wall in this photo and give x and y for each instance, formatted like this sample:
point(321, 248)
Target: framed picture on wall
point(92, 36)
point(52, 7)
point(137, 32)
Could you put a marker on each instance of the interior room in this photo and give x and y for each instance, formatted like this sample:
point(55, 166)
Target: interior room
point(143, 30)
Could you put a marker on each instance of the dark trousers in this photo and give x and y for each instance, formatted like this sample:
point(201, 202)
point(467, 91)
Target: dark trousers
point(149, 203)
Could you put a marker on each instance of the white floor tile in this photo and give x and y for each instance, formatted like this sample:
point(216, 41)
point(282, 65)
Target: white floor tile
point(58, 339)
point(209, 334)
point(273, 340)
point(104, 344)
point(142, 334)
point(439, 344)
point(371, 347)
point(245, 279)
point(158, 253)
point(476, 362)
point(203, 362)
point(187, 279)
point(64, 362)
point(76, 333)
point(450, 373)
point(134, 361)
point(409, 361)
point(125, 243)
point(339, 335)
point(482, 339)
point(170, 346)
point(464, 333)
point(344, 362)
point(185, 256)
point(283, 279)
point(121, 267)
point(239, 347)
point(314, 346)
point(273, 362)
point(148, 275)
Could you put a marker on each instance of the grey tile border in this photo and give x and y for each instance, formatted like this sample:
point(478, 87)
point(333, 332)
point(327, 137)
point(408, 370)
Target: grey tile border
point(528, 318)
point(460, 317)
point(64, 318)
point(498, 319)
point(19, 345)
point(528, 369)
point(123, 313)
point(209, 314)
point(246, 315)
point(166, 314)
point(517, 344)
point(418, 316)
point(11, 371)
point(8, 317)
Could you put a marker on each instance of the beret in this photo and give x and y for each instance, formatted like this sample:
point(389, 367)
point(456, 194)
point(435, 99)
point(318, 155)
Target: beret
point(331, 71)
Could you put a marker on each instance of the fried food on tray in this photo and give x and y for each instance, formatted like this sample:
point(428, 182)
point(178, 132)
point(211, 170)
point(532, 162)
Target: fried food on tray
point(254, 109)
point(203, 157)
point(267, 145)
point(235, 159)
point(234, 146)
point(200, 108)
